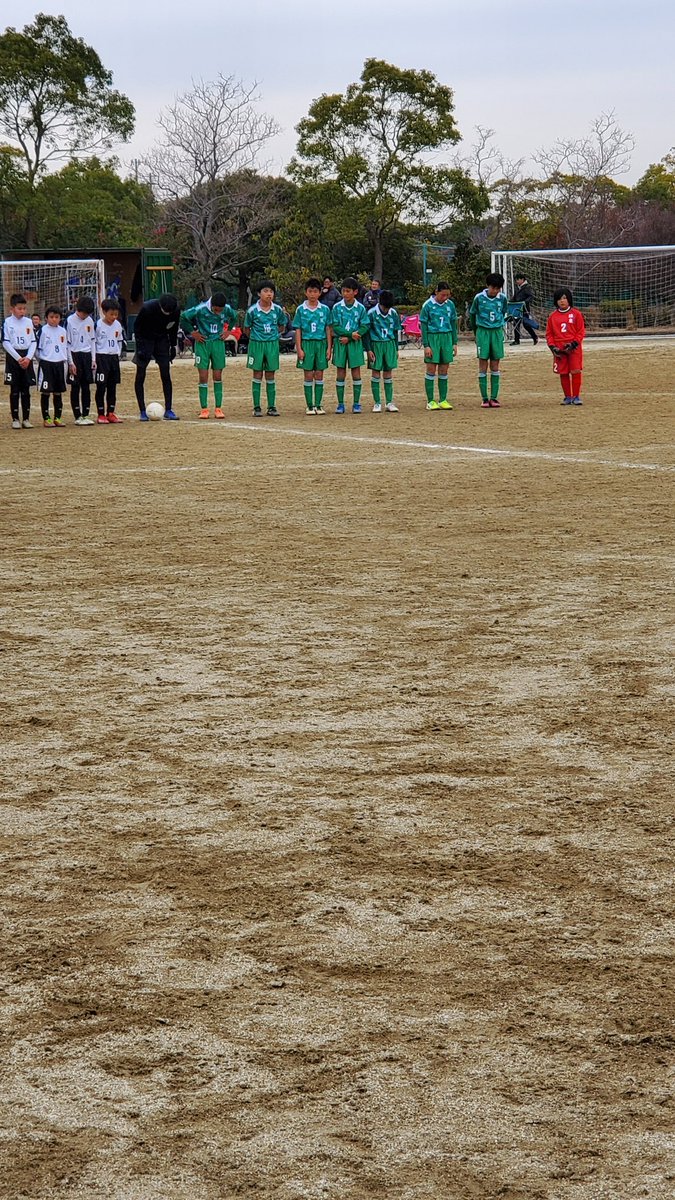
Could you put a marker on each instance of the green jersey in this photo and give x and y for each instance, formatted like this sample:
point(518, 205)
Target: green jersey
point(210, 324)
point(383, 326)
point(349, 319)
point(265, 326)
point(312, 322)
point(488, 312)
point(438, 318)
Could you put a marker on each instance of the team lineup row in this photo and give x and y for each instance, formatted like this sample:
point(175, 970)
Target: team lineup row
point(87, 351)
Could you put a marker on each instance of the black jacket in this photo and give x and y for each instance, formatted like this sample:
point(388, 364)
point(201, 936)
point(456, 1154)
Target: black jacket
point(153, 325)
point(524, 295)
point(330, 297)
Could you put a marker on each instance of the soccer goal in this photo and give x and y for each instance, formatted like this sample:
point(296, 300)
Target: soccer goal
point(628, 289)
point(59, 281)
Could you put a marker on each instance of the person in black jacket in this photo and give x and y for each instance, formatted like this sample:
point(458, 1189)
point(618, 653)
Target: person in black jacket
point(523, 295)
point(329, 293)
point(155, 334)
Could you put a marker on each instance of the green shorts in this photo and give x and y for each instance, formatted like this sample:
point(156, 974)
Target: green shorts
point(442, 348)
point(386, 356)
point(316, 355)
point(210, 354)
point(489, 343)
point(350, 355)
point(263, 356)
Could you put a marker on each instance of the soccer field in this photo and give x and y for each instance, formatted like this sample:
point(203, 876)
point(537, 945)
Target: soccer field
point(337, 769)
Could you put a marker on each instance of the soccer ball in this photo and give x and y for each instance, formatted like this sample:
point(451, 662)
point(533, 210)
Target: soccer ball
point(155, 411)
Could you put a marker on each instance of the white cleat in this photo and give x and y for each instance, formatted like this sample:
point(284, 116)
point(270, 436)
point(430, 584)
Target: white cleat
point(377, 408)
point(392, 407)
point(85, 421)
point(25, 424)
point(16, 424)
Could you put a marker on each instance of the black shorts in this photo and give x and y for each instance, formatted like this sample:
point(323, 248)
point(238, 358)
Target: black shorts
point(19, 379)
point(52, 377)
point(108, 368)
point(85, 373)
point(149, 348)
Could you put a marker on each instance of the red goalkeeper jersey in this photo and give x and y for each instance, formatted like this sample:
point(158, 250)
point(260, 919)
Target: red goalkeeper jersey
point(563, 327)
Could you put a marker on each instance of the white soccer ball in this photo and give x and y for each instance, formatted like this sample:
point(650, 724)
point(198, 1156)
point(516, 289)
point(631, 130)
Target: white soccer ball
point(155, 411)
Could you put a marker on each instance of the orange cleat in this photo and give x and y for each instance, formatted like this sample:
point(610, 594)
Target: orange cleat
point(219, 414)
point(204, 414)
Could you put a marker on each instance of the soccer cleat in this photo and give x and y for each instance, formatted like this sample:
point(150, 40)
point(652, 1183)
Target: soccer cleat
point(142, 416)
point(101, 419)
point(433, 406)
point(113, 419)
point(309, 412)
point(170, 415)
point(25, 424)
point(257, 412)
point(84, 421)
point(48, 423)
point(485, 404)
point(58, 421)
point(219, 414)
point(392, 407)
point(566, 400)
point(320, 412)
point(204, 414)
point(577, 401)
point(16, 424)
point(340, 409)
point(495, 404)
point(444, 404)
point(377, 408)
point(356, 408)
point(272, 411)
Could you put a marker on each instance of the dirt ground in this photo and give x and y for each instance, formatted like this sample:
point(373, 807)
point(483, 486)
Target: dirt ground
point(336, 761)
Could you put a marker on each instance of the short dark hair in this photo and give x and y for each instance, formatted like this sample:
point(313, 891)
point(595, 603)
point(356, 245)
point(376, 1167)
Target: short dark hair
point(442, 286)
point(266, 283)
point(351, 283)
point(494, 279)
point(168, 302)
point(560, 292)
point(84, 304)
point(386, 298)
point(375, 280)
point(53, 309)
point(520, 275)
point(328, 277)
point(219, 299)
point(110, 306)
point(313, 283)
point(16, 298)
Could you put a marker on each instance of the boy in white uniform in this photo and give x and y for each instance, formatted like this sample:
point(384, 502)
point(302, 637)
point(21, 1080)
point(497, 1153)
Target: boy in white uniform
point(53, 359)
point(81, 337)
point(109, 342)
point(19, 343)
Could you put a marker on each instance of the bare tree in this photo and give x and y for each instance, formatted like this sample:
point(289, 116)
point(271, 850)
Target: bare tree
point(203, 170)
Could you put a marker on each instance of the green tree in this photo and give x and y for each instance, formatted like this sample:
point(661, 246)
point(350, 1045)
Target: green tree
point(89, 204)
point(658, 182)
point(13, 198)
point(56, 99)
point(373, 142)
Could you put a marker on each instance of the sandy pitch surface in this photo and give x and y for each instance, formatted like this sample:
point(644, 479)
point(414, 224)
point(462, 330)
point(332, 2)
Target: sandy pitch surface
point(337, 770)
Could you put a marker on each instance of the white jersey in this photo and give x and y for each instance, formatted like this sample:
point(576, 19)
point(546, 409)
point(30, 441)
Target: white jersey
point(81, 336)
point(109, 338)
point(18, 337)
point(53, 346)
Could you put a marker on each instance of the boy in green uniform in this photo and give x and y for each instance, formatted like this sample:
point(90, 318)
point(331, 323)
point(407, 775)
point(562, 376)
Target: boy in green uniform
point(264, 322)
point(205, 324)
point(350, 325)
point(382, 346)
point(313, 343)
point(487, 317)
point(438, 322)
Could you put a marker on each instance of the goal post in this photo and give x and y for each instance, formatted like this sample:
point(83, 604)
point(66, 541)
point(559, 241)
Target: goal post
point(58, 281)
point(620, 289)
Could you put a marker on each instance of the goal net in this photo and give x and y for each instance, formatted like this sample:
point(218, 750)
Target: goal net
point(52, 281)
point(619, 290)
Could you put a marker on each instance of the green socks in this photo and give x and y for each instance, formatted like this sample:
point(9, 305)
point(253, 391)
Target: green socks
point(256, 388)
point(340, 390)
point(357, 391)
point(482, 383)
point(271, 393)
point(442, 387)
point(307, 389)
point(218, 392)
point(375, 389)
point(429, 387)
point(318, 393)
point(203, 395)
point(495, 380)
point(389, 391)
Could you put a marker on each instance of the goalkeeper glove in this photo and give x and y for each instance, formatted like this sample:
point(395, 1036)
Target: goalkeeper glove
point(557, 351)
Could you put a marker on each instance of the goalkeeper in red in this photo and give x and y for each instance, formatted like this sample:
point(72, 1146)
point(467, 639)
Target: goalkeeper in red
point(565, 331)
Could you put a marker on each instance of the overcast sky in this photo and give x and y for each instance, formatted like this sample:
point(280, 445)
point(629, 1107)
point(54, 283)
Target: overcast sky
point(530, 71)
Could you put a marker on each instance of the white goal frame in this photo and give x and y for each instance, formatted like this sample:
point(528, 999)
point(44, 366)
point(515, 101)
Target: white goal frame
point(61, 282)
point(620, 289)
